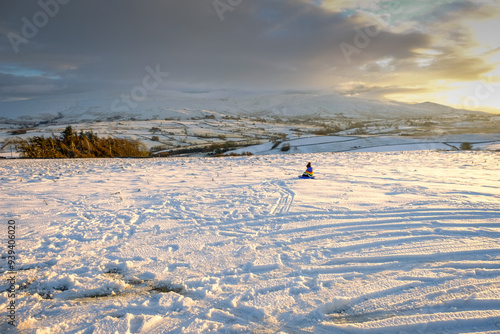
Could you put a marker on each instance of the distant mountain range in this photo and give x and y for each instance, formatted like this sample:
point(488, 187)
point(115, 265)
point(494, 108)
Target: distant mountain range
point(105, 106)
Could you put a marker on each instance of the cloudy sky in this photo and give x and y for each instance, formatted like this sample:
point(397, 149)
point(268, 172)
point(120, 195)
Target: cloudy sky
point(445, 51)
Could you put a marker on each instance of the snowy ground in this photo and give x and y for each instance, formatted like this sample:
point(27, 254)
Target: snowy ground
point(378, 242)
point(320, 144)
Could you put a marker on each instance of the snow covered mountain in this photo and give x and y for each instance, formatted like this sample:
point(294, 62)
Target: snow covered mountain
point(175, 104)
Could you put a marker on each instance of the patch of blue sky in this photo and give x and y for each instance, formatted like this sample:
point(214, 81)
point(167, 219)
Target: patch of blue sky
point(348, 12)
point(20, 71)
point(408, 10)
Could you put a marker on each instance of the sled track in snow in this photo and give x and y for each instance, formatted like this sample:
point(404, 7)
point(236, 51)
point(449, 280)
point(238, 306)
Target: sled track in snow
point(285, 200)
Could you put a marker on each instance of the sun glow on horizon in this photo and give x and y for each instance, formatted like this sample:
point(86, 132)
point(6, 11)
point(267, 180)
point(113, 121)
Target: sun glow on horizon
point(458, 65)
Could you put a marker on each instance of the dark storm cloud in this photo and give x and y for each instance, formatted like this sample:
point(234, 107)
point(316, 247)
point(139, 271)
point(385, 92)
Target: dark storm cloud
point(95, 44)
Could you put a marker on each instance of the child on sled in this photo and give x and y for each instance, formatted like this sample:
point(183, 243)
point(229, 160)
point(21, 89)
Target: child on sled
point(309, 171)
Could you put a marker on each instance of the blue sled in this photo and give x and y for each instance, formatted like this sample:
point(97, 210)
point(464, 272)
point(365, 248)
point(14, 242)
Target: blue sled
point(306, 177)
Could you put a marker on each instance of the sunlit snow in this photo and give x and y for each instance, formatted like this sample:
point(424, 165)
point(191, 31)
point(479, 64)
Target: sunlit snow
point(387, 242)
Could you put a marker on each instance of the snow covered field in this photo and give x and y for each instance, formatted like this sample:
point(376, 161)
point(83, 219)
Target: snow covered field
point(378, 242)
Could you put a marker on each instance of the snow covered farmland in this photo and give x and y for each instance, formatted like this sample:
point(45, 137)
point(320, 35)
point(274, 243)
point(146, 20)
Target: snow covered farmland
point(379, 242)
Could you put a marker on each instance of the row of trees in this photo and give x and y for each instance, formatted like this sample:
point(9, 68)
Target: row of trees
point(82, 145)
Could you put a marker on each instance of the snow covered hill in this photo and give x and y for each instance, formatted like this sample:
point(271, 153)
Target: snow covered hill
point(76, 108)
point(378, 242)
